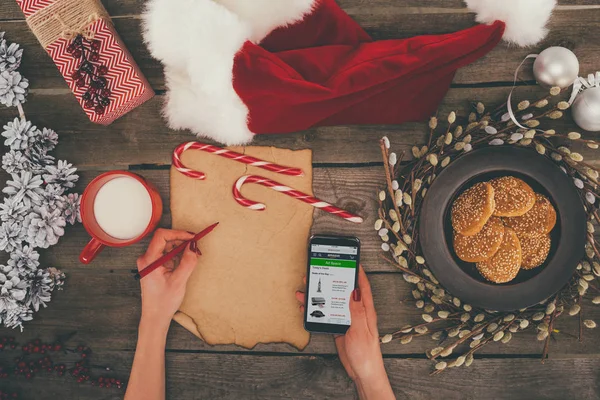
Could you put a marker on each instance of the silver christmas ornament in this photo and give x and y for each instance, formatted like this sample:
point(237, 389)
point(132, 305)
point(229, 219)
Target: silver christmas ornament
point(556, 66)
point(586, 109)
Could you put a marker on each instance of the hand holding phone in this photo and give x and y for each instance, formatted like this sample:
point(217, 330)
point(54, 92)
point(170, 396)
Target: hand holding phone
point(331, 278)
point(359, 348)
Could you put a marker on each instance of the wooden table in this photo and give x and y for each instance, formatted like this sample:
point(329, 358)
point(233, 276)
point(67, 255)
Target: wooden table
point(102, 303)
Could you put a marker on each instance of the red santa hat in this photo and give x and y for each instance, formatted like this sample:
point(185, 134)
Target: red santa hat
point(236, 68)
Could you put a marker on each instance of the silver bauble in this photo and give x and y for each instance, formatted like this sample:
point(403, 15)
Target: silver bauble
point(556, 66)
point(586, 109)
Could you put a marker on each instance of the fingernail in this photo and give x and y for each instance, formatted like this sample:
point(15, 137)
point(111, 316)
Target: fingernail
point(356, 294)
point(198, 252)
point(193, 246)
point(191, 233)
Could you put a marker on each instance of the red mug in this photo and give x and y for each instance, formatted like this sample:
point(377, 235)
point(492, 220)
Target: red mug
point(100, 238)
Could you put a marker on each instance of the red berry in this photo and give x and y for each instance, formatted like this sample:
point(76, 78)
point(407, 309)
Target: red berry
point(77, 53)
point(89, 104)
point(94, 57)
point(106, 92)
point(21, 364)
point(36, 349)
point(80, 82)
point(102, 70)
point(57, 347)
point(70, 49)
point(99, 110)
point(100, 379)
point(95, 45)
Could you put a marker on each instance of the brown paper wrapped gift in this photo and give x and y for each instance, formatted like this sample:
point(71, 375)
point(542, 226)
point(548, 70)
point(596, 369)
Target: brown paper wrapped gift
point(242, 290)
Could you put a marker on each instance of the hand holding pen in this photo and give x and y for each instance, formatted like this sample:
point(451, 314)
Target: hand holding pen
point(163, 289)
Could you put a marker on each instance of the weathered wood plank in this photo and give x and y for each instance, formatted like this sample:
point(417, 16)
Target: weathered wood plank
point(354, 189)
point(10, 11)
point(576, 29)
point(141, 137)
point(102, 301)
point(192, 376)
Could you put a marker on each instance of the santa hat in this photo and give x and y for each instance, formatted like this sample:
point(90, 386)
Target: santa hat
point(236, 68)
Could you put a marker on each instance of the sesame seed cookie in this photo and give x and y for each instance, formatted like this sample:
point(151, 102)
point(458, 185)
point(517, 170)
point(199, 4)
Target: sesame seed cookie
point(534, 251)
point(513, 197)
point(536, 222)
point(472, 209)
point(505, 264)
point(481, 246)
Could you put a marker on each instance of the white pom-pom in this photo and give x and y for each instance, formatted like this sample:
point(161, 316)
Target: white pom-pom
point(525, 20)
point(386, 142)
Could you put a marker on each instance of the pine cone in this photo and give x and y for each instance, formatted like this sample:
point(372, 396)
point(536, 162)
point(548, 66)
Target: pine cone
point(14, 162)
point(53, 197)
point(14, 318)
point(12, 211)
point(11, 236)
point(38, 158)
point(12, 290)
point(24, 260)
point(57, 276)
point(40, 290)
point(48, 139)
point(13, 88)
point(63, 174)
point(44, 226)
point(10, 56)
point(25, 187)
point(71, 205)
point(20, 134)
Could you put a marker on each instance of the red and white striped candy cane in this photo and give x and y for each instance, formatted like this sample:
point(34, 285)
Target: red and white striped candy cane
point(313, 201)
point(232, 155)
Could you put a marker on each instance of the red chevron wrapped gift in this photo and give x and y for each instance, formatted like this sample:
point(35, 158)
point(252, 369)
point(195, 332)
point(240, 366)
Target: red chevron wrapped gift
point(88, 52)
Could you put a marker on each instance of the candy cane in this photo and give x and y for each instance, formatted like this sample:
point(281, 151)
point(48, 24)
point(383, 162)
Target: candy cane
point(313, 201)
point(280, 169)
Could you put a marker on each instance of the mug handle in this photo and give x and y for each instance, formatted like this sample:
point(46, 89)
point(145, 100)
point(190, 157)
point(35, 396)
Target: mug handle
point(90, 251)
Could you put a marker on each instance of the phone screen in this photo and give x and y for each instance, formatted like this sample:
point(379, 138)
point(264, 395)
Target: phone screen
point(332, 275)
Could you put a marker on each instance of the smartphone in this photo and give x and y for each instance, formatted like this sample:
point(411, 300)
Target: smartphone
point(332, 275)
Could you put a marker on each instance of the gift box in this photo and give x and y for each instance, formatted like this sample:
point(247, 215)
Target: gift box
point(80, 38)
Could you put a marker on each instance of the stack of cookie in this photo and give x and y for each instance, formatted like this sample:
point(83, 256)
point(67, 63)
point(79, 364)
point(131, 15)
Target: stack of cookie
point(502, 226)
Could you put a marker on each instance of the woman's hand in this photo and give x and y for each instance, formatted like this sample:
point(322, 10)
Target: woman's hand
point(359, 349)
point(164, 288)
point(162, 294)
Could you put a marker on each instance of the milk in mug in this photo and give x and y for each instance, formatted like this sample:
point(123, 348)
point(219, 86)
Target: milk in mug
point(123, 208)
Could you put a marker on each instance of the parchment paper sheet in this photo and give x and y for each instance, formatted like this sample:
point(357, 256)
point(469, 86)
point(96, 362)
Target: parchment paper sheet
point(242, 290)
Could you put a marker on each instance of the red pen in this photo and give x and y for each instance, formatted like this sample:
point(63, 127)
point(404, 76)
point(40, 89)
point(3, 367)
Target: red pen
point(179, 249)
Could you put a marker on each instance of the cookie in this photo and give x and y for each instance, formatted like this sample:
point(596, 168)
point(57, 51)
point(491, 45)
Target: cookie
point(503, 266)
point(534, 251)
point(481, 246)
point(472, 209)
point(536, 222)
point(512, 196)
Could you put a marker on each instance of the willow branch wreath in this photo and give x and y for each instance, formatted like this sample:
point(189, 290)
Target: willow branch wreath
point(458, 329)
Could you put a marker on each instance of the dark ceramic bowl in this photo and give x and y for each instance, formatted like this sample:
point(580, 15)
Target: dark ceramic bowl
point(462, 279)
